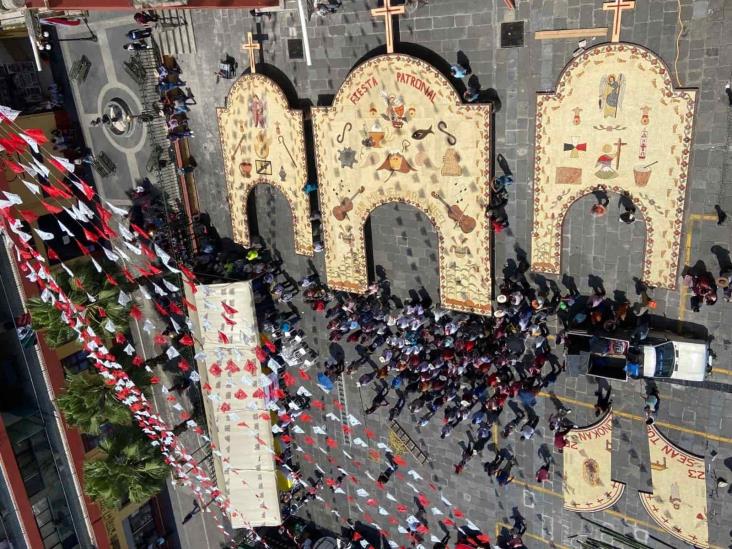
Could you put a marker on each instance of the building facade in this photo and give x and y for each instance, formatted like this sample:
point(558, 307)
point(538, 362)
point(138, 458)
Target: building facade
point(42, 501)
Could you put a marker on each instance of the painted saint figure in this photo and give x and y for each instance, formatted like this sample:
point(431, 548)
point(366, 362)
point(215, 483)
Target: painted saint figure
point(394, 110)
point(258, 111)
point(611, 95)
point(604, 163)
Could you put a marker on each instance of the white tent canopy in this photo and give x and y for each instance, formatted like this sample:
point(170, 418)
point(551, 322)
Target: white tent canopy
point(246, 469)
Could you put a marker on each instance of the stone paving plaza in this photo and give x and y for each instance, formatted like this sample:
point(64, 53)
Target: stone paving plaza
point(405, 244)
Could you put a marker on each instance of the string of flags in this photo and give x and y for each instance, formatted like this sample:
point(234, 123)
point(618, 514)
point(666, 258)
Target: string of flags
point(95, 228)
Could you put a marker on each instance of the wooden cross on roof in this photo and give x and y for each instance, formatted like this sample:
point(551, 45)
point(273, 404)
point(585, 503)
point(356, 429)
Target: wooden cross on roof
point(618, 6)
point(387, 11)
point(250, 46)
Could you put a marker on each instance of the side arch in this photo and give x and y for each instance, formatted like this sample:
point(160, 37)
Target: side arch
point(262, 142)
point(639, 203)
point(247, 193)
point(615, 120)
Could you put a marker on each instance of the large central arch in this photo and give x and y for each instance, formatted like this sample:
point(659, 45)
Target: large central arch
point(398, 132)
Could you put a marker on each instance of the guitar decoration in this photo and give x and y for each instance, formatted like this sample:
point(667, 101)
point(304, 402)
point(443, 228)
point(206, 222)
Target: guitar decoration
point(465, 222)
point(340, 212)
point(238, 145)
point(281, 139)
point(346, 127)
point(451, 139)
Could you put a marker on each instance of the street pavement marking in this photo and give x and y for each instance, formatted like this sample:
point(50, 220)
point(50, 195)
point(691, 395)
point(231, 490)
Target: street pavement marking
point(721, 371)
point(687, 254)
point(551, 543)
point(537, 488)
point(634, 417)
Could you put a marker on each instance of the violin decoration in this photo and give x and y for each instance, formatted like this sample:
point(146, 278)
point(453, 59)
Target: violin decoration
point(340, 212)
point(465, 222)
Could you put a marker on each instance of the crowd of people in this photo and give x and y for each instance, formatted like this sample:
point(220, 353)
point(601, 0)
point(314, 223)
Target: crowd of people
point(466, 368)
point(165, 223)
point(464, 372)
point(455, 369)
point(175, 100)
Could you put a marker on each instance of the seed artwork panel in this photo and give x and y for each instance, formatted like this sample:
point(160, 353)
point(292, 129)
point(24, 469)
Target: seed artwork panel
point(398, 132)
point(615, 123)
point(262, 142)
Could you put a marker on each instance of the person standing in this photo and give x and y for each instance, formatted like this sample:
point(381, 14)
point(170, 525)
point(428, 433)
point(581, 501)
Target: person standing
point(542, 475)
point(652, 404)
point(136, 46)
point(193, 512)
point(145, 17)
point(628, 216)
point(504, 476)
point(458, 71)
point(598, 210)
point(139, 34)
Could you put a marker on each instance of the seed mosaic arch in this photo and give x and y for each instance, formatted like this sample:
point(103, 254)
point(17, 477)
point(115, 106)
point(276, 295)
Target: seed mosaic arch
point(262, 142)
point(616, 123)
point(398, 132)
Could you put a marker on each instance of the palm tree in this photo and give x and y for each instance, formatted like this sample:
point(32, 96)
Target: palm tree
point(88, 403)
point(85, 282)
point(132, 470)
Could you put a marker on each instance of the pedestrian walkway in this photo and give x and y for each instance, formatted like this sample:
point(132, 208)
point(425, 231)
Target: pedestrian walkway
point(174, 33)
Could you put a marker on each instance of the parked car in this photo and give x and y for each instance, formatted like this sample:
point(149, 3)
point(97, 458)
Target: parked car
point(617, 356)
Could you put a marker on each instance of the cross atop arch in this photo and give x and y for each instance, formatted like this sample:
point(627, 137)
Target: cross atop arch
point(387, 11)
point(250, 46)
point(618, 6)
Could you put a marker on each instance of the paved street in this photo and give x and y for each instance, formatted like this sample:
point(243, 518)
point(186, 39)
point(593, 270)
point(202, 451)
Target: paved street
point(404, 242)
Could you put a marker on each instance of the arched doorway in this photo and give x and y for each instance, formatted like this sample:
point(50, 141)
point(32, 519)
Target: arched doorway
point(402, 243)
point(602, 250)
point(267, 202)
